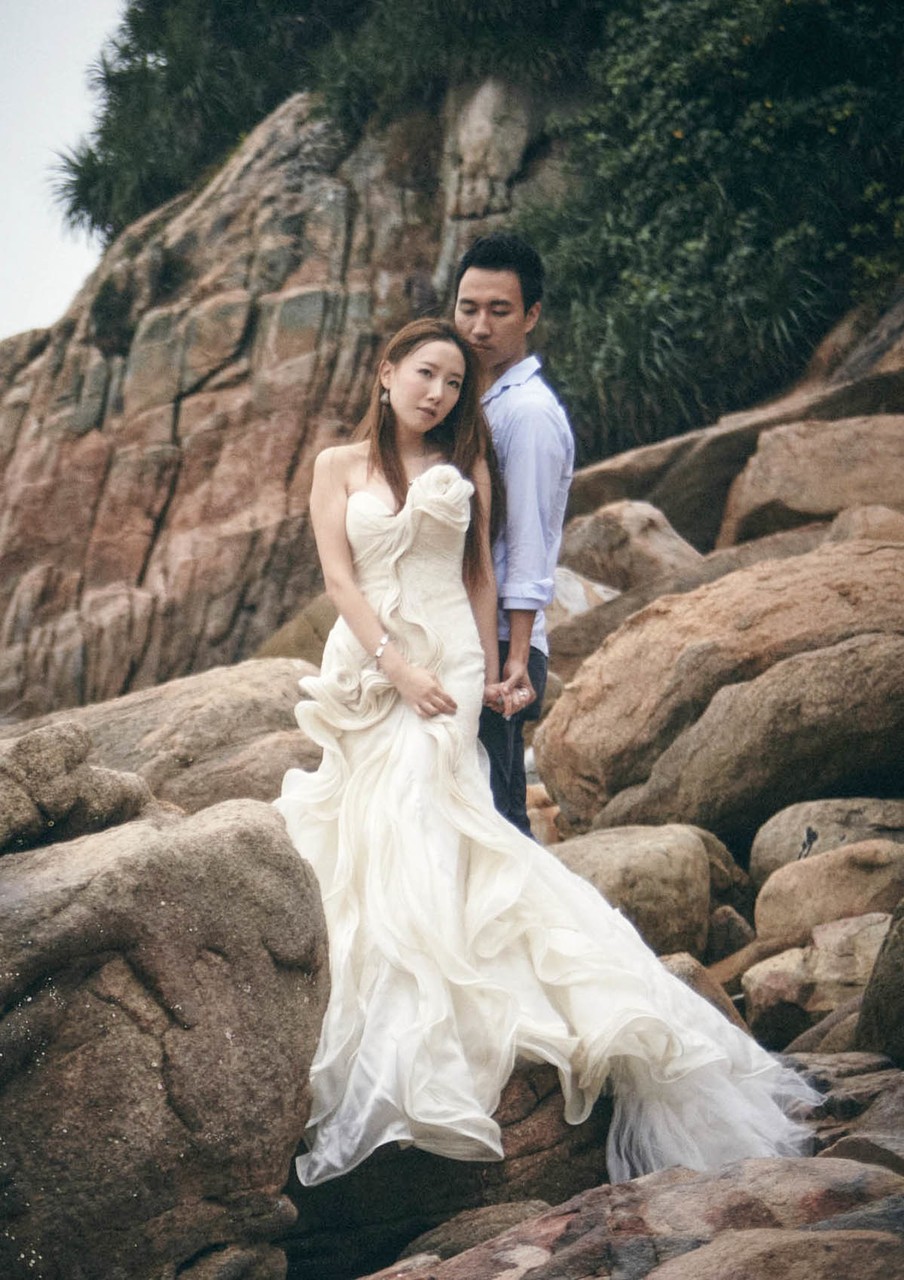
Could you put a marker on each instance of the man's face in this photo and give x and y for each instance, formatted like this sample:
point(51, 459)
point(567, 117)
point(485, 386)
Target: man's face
point(490, 316)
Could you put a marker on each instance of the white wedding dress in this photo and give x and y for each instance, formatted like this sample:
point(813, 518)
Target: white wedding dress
point(457, 945)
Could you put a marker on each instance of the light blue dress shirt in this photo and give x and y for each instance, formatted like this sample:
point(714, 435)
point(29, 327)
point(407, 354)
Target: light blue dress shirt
point(535, 448)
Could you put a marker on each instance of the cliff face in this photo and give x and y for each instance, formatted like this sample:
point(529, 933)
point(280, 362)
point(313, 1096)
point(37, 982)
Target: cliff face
point(156, 444)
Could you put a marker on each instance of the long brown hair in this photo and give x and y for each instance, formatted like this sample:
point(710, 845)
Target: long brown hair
point(463, 437)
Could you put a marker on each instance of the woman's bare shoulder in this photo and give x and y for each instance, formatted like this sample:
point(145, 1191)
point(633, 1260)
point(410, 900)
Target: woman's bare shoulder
point(339, 461)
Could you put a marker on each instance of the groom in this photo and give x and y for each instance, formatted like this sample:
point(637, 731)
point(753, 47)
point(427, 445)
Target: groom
point(498, 296)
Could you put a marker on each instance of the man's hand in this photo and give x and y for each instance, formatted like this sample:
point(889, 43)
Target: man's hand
point(501, 700)
point(516, 684)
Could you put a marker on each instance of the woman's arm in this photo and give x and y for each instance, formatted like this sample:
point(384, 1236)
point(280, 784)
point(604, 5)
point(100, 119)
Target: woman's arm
point(329, 500)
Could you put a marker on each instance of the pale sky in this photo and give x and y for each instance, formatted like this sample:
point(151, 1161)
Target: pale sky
point(46, 47)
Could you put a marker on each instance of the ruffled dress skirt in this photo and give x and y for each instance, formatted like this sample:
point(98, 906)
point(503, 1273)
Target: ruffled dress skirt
point(457, 945)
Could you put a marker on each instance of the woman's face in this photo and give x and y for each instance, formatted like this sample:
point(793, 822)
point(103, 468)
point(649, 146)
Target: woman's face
point(425, 385)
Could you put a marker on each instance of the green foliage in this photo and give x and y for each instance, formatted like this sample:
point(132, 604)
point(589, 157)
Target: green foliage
point(738, 181)
point(179, 83)
point(406, 53)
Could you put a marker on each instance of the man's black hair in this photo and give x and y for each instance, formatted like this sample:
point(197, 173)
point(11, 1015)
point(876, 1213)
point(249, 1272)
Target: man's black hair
point(504, 251)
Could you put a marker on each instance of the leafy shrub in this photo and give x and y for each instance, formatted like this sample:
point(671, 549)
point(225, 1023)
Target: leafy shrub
point(177, 85)
point(738, 182)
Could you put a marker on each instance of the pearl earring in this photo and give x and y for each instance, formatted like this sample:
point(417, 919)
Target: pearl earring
point(384, 396)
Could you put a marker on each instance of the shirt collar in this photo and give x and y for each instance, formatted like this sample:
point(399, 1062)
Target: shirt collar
point(514, 377)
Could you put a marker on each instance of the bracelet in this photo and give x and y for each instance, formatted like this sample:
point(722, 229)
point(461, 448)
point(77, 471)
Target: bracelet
point(378, 652)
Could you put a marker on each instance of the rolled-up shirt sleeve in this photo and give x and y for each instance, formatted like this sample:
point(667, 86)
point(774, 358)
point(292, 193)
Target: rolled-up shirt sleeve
point(536, 456)
point(535, 448)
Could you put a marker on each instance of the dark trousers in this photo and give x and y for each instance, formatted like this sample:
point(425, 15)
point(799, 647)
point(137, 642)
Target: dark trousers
point(504, 743)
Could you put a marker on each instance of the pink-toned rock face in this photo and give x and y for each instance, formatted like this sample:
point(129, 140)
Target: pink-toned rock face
point(156, 445)
point(719, 707)
point(632, 1227)
point(790, 1255)
point(813, 470)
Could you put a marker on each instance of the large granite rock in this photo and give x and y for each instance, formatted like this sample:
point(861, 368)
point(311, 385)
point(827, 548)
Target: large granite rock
point(156, 444)
point(830, 720)
point(851, 1083)
point(789, 992)
point(689, 477)
point(304, 635)
point(48, 791)
point(626, 544)
point(814, 470)
point(224, 734)
point(853, 880)
point(163, 986)
point(771, 685)
point(880, 1028)
point(573, 639)
point(770, 1254)
point(815, 826)
point(631, 1229)
point(876, 1136)
point(873, 521)
point(657, 876)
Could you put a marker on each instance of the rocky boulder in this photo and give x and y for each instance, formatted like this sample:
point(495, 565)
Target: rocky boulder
point(163, 986)
point(873, 521)
point(832, 1034)
point(48, 791)
point(626, 544)
point(815, 826)
point(814, 470)
point(219, 735)
point(657, 876)
point(851, 1083)
point(572, 639)
point(876, 1136)
point(856, 879)
point(775, 684)
point(633, 1228)
point(472, 1227)
point(728, 934)
point(304, 635)
point(789, 992)
point(682, 965)
point(769, 1254)
point(880, 1028)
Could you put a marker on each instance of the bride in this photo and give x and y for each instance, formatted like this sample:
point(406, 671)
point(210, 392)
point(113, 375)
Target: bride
point(457, 944)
